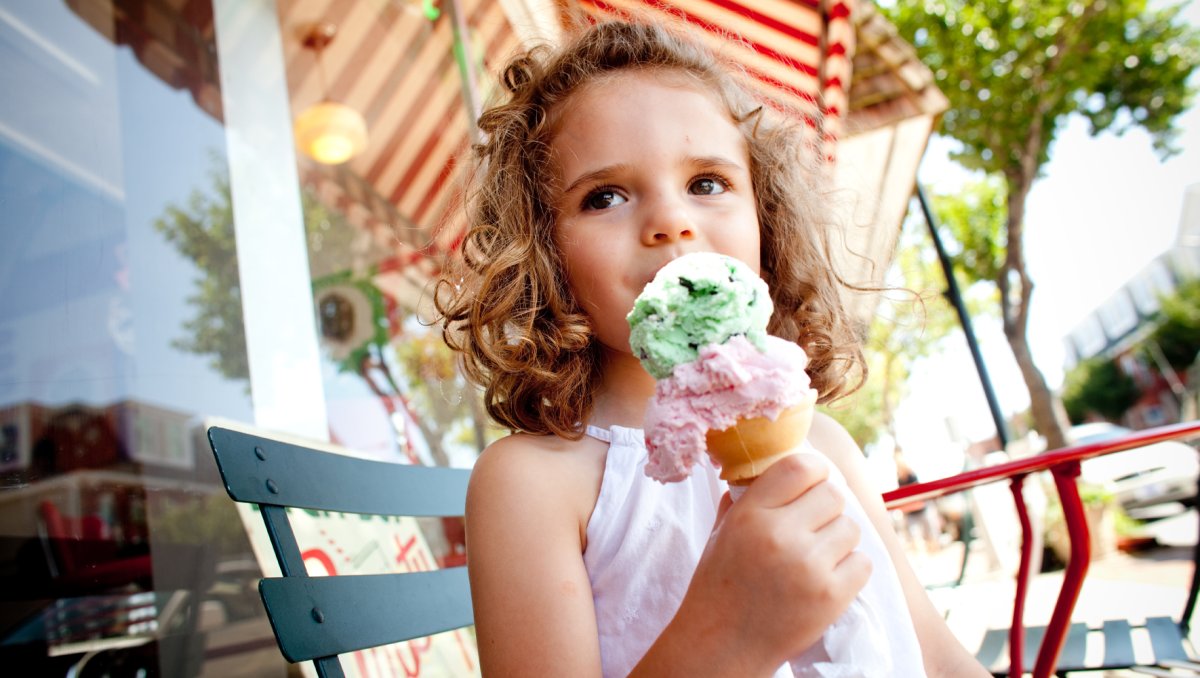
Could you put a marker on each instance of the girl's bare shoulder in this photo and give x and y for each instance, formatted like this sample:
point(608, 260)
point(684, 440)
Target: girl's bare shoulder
point(539, 457)
point(547, 477)
point(835, 442)
point(828, 436)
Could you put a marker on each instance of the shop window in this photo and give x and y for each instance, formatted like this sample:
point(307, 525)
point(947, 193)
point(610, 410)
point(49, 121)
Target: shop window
point(121, 332)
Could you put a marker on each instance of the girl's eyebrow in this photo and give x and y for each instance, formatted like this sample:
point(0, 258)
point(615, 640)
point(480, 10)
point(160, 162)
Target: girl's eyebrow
point(595, 175)
point(716, 161)
point(603, 173)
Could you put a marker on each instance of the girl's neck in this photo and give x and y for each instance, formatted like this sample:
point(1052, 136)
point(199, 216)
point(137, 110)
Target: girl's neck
point(624, 390)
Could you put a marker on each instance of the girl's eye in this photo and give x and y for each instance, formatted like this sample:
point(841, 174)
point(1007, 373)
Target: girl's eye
point(602, 199)
point(709, 186)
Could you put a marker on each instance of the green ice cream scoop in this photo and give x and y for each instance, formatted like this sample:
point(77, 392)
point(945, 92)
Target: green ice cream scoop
point(696, 300)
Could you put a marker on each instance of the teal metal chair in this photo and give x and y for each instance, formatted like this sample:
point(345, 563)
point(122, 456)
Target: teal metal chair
point(319, 618)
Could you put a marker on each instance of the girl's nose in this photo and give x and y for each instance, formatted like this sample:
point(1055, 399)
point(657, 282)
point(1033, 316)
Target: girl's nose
point(667, 224)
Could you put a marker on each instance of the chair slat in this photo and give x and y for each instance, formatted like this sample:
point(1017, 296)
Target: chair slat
point(995, 641)
point(1033, 643)
point(1075, 648)
point(1155, 671)
point(266, 471)
point(362, 611)
point(995, 645)
point(1165, 638)
point(1118, 643)
point(1181, 664)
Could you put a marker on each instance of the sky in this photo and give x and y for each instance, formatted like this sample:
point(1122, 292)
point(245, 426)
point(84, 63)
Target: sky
point(1105, 207)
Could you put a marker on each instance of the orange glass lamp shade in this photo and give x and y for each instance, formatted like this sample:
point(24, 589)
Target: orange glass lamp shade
point(330, 133)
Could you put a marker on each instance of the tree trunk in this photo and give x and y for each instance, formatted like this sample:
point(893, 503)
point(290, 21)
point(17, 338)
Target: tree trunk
point(1016, 290)
point(1044, 405)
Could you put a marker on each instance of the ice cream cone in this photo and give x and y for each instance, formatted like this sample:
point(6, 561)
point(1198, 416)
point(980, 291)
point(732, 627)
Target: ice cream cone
point(749, 447)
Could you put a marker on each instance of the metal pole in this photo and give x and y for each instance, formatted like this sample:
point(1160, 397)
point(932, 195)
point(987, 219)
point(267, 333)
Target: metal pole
point(466, 66)
point(955, 298)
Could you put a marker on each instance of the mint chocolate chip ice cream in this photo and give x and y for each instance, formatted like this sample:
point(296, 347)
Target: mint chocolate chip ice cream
point(694, 301)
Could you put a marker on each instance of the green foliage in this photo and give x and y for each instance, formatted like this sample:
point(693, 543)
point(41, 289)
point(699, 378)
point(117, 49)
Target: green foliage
point(1098, 386)
point(1178, 331)
point(203, 232)
point(1009, 68)
point(910, 322)
point(975, 218)
point(1013, 72)
point(862, 413)
point(211, 520)
point(451, 409)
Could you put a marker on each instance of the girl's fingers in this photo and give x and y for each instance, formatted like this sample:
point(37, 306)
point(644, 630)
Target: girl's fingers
point(820, 504)
point(786, 480)
point(852, 573)
point(838, 538)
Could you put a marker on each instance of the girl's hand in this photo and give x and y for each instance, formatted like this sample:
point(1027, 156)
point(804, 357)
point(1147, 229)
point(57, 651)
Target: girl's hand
point(779, 567)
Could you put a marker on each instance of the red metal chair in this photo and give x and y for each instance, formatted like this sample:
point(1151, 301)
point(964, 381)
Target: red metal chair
point(81, 557)
point(1060, 645)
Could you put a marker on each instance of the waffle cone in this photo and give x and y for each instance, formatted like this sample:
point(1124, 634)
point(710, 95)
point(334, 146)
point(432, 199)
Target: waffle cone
point(749, 447)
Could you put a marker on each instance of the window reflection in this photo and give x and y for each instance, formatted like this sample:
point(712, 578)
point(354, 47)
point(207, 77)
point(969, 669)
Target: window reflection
point(121, 316)
point(118, 550)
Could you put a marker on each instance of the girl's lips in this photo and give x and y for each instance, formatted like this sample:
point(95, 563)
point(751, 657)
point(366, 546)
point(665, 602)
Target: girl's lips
point(660, 266)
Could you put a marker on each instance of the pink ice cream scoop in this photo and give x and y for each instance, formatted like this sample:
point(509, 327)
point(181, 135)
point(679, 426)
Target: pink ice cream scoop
point(728, 386)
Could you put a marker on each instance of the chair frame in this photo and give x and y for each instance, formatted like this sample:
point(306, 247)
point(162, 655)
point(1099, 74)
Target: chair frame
point(319, 618)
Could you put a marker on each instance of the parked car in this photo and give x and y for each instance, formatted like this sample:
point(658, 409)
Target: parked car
point(1142, 478)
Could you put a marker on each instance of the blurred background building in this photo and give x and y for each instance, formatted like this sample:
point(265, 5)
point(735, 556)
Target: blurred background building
point(1120, 328)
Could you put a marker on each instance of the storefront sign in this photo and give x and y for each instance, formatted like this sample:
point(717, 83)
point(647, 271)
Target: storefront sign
point(341, 543)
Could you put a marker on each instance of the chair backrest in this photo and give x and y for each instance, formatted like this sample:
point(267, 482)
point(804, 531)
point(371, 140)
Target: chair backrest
point(319, 618)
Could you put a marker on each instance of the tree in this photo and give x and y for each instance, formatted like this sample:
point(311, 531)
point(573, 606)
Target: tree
point(1013, 72)
point(976, 218)
point(202, 231)
point(1178, 330)
point(1099, 386)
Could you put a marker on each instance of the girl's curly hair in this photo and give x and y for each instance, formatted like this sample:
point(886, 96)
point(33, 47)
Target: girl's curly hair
point(507, 306)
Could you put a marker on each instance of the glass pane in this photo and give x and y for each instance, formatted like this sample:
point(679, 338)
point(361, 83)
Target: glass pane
point(379, 228)
point(120, 334)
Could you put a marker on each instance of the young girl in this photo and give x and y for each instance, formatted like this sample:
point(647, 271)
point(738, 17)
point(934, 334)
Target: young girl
point(611, 156)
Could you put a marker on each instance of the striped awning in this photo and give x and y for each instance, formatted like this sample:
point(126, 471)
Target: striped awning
point(398, 69)
point(796, 54)
point(402, 68)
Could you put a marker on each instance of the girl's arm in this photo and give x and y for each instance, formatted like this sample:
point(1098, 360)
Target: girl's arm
point(531, 594)
point(785, 541)
point(943, 654)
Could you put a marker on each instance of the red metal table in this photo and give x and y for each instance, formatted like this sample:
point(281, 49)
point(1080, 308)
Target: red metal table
point(1063, 464)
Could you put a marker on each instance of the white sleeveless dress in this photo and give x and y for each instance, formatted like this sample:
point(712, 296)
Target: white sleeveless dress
point(645, 538)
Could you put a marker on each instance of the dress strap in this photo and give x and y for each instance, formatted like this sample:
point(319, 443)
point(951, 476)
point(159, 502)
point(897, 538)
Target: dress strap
point(598, 433)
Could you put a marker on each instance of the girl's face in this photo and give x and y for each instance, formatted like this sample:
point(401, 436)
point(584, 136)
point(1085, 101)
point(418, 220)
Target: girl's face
point(649, 167)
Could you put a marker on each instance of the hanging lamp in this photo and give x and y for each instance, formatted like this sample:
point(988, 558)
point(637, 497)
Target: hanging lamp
point(329, 132)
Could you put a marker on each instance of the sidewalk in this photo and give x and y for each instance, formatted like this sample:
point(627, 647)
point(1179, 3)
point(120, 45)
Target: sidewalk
point(1153, 583)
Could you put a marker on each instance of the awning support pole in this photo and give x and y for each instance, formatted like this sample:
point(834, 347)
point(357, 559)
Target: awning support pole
point(466, 60)
point(952, 293)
